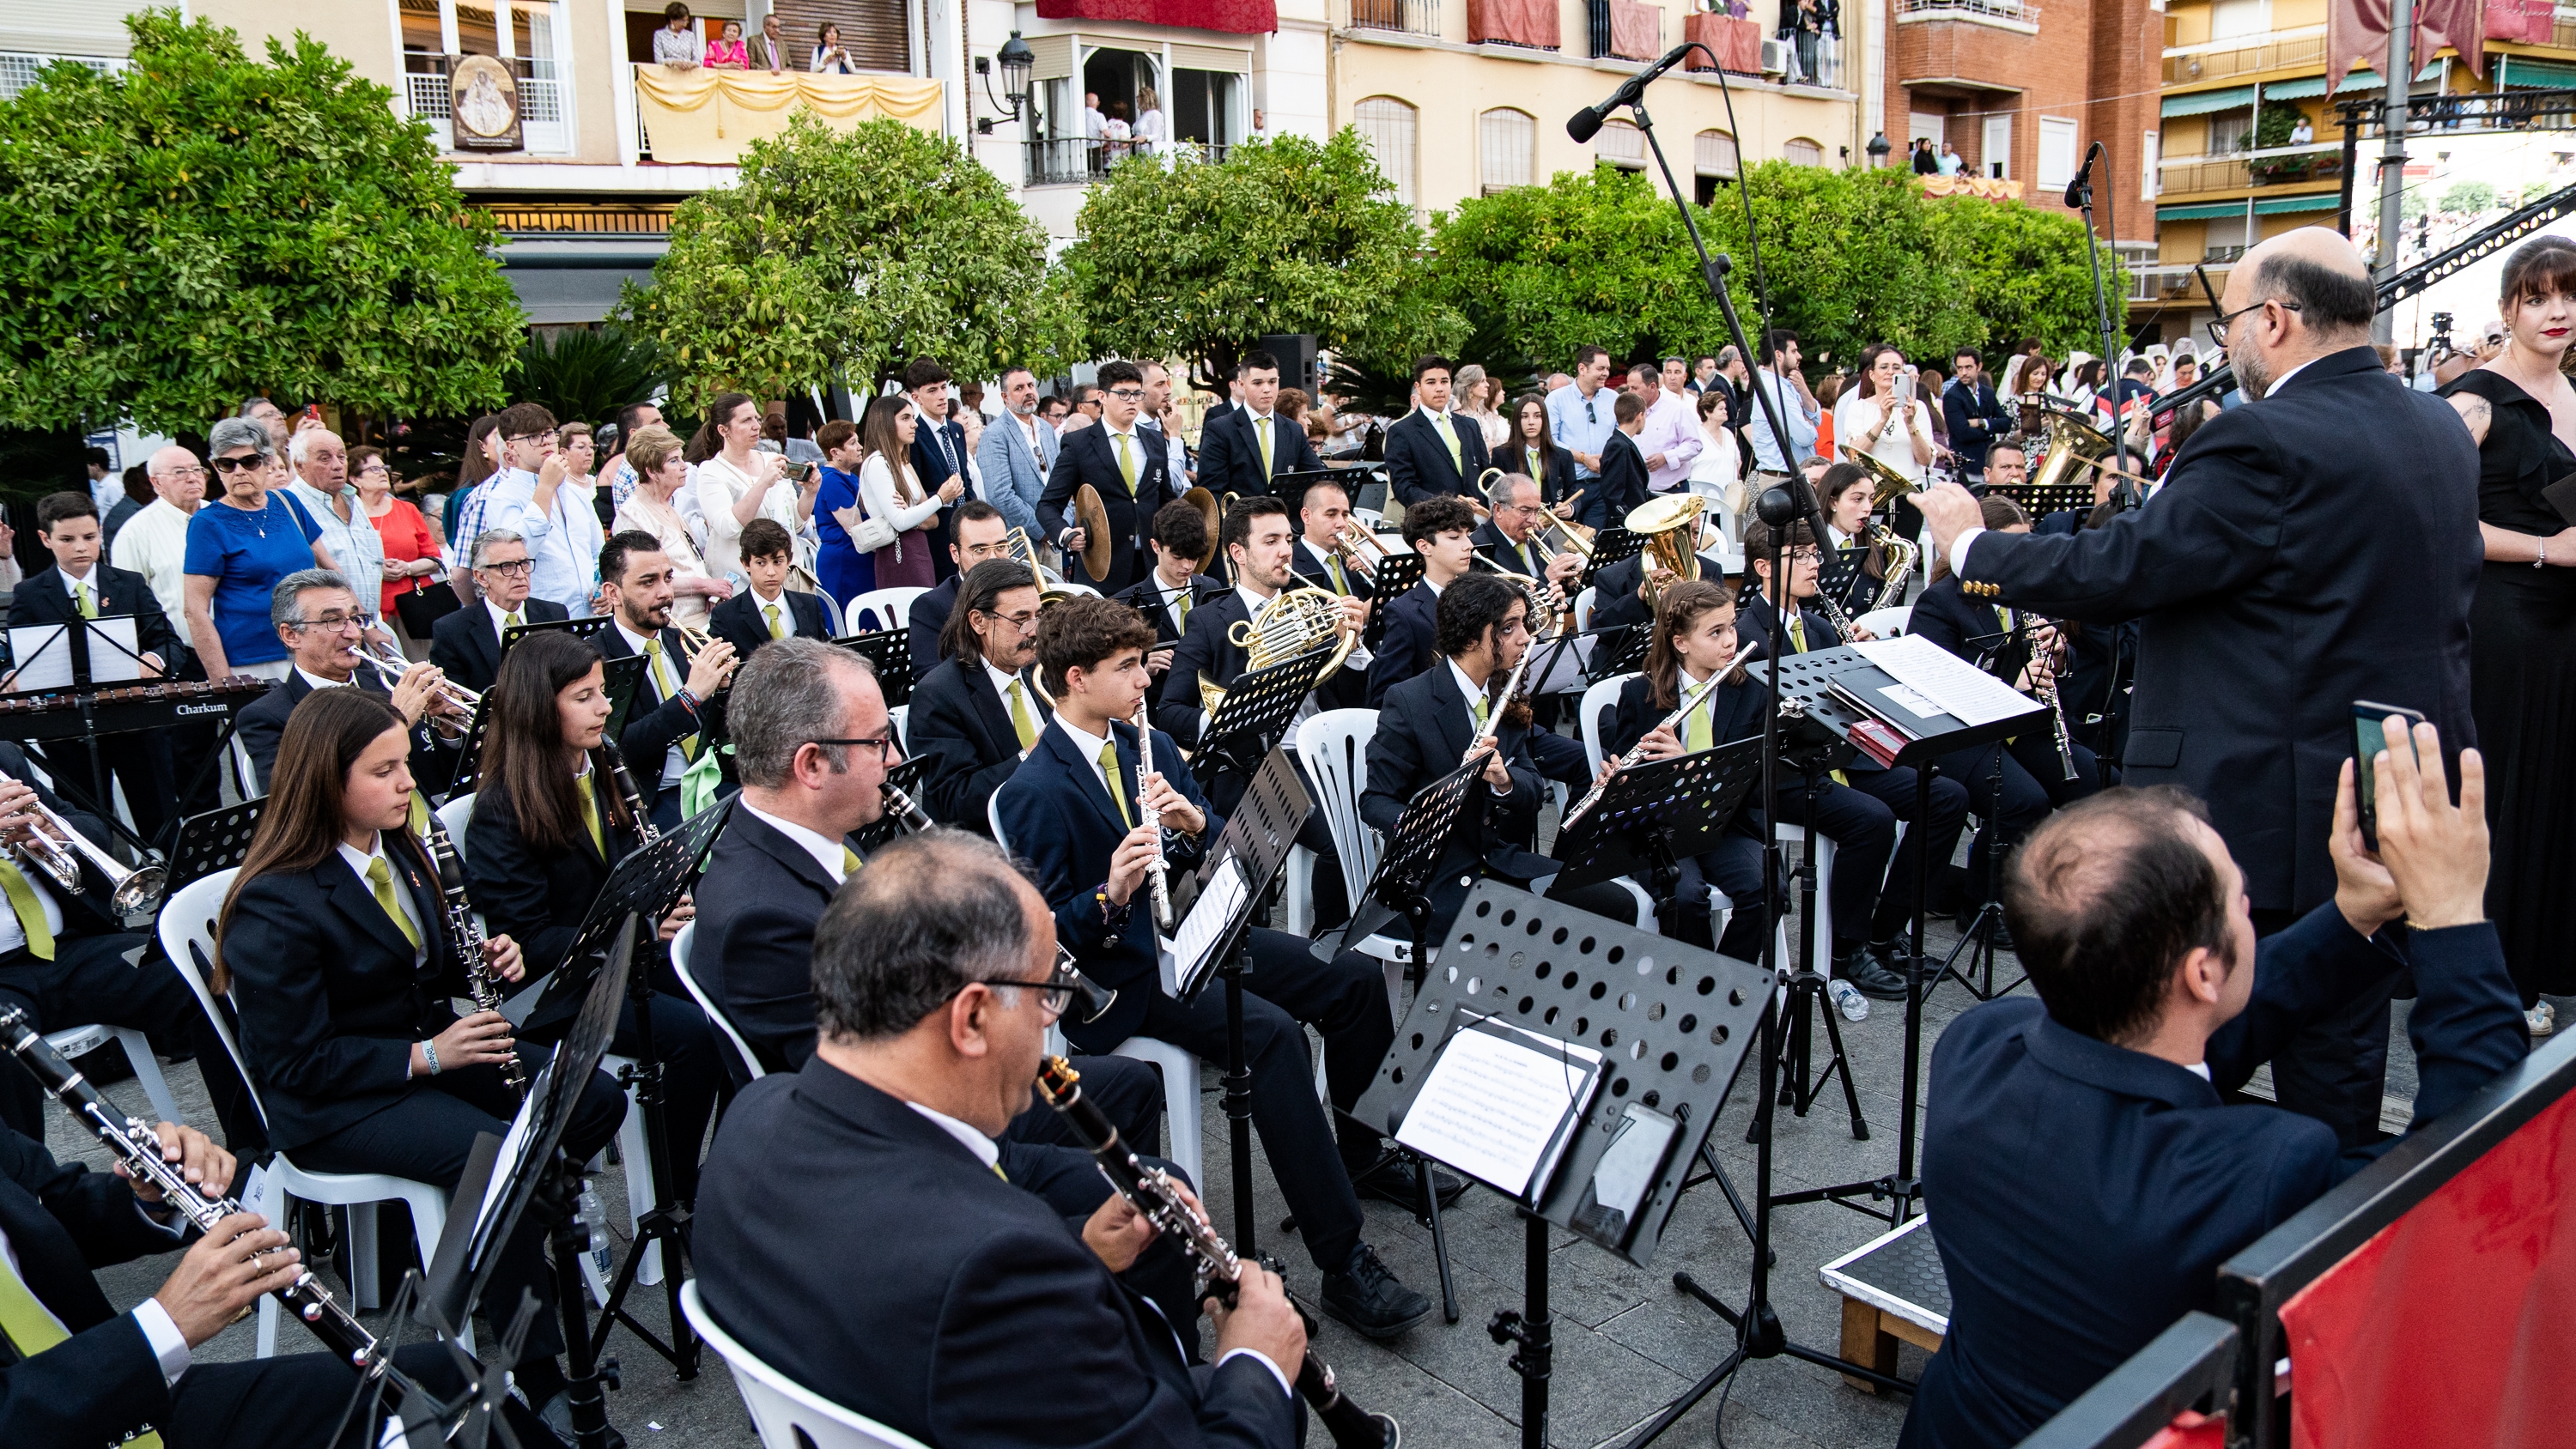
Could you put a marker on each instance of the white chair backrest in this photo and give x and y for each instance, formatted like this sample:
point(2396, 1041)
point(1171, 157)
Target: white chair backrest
point(993, 816)
point(1334, 748)
point(1583, 603)
point(455, 815)
point(680, 967)
point(187, 928)
point(1598, 701)
point(787, 1414)
point(882, 609)
point(899, 714)
point(1886, 623)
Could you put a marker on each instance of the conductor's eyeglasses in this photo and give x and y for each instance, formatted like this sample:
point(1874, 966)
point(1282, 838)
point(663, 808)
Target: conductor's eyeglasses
point(2218, 325)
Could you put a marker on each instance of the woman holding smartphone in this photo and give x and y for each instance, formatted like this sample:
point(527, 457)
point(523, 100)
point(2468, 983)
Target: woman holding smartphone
point(1879, 415)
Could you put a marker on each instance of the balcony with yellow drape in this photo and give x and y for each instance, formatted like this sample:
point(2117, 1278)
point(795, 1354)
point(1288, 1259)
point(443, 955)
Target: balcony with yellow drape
point(706, 117)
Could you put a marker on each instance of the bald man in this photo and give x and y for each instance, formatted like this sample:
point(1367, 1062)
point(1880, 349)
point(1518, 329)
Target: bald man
point(2313, 548)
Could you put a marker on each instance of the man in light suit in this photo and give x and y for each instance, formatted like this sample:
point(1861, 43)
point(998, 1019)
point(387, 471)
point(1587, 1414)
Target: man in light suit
point(1431, 452)
point(1242, 448)
point(1015, 454)
point(2294, 561)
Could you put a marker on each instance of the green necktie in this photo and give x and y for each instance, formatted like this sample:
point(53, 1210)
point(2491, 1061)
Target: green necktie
point(1797, 634)
point(31, 914)
point(381, 876)
point(1482, 709)
point(88, 605)
point(1109, 777)
point(669, 688)
point(1126, 461)
point(1449, 435)
point(1022, 723)
point(1695, 729)
point(1537, 473)
point(1333, 566)
point(1261, 430)
point(511, 618)
point(850, 862)
point(590, 811)
point(1181, 604)
point(777, 630)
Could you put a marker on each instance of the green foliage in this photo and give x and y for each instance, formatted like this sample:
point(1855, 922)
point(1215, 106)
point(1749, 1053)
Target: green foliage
point(2273, 124)
point(2410, 203)
point(1849, 258)
point(203, 226)
point(840, 256)
point(586, 376)
point(1196, 259)
point(2469, 196)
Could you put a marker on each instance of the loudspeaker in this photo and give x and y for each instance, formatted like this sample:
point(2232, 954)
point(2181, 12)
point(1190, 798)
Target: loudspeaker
point(1296, 354)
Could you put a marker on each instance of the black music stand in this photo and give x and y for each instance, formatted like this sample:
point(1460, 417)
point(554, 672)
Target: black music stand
point(74, 639)
point(2040, 502)
point(216, 840)
point(1654, 815)
point(1671, 1039)
point(590, 628)
point(2003, 654)
point(638, 893)
point(1620, 649)
point(1402, 883)
point(1395, 577)
point(1614, 545)
point(1254, 718)
point(890, 650)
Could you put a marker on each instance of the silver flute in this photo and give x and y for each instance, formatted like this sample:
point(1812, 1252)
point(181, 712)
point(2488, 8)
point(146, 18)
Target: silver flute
point(1690, 701)
point(467, 933)
point(1159, 873)
point(137, 1148)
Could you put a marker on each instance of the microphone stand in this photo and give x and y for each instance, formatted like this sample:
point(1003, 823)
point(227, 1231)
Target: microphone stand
point(2079, 195)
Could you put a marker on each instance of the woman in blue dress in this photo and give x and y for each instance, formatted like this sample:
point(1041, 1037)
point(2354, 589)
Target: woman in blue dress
point(844, 569)
point(239, 545)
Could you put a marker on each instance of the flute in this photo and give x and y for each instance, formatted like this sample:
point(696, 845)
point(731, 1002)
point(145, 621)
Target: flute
point(1219, 1270)
point(1158, 872)
point(137, 1148)
point(1690, 701)
point(467, 933)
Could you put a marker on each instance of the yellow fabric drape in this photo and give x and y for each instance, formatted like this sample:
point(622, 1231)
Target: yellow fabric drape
point(1988, 187)
point(708, 116)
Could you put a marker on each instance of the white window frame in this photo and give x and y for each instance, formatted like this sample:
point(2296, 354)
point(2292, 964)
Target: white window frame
point(1997, 160)
point(1400, 170)
point(1508, 135)
point(2058, 129)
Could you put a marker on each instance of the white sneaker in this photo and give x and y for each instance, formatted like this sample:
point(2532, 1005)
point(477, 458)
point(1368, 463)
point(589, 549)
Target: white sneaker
point(2541, 1020)
point(1854, 1006)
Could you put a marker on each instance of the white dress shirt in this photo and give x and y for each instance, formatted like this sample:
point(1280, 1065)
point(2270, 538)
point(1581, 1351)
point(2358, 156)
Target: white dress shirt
point(154, 543)
point(1088, 746)
point(674, 763)
point(827, 854)
point(565, 546)
point(760, 608)
point(500, 618)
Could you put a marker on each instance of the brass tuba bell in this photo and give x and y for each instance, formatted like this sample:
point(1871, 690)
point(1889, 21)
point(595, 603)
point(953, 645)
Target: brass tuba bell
point(1670, 526)
point(2073, 443)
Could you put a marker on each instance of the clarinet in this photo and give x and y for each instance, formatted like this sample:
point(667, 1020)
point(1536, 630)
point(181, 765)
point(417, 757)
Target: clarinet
point(468, 936)
point(138, 1148)
point(1152, 1194)
point(623, 780)
point(1689, 701)
point(2044, 688)
point(915, 819)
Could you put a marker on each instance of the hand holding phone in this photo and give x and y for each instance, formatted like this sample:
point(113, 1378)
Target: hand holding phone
point(2369, 737)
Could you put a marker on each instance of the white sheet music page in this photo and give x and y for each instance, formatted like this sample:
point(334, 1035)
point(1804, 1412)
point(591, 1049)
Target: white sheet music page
point(1960, 689)
point(1201, 928)
point(1492, 1106)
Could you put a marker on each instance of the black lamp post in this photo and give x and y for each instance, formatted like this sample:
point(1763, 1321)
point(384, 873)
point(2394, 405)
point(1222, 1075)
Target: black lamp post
point(1017, 60)
point(1878, 149)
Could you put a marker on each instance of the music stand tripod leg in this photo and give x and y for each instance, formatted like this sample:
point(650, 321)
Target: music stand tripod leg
point(1237, 1101)
point(667, 1222)
point(586, 1374)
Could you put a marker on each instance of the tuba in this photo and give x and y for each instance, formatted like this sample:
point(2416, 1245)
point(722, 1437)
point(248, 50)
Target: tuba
point(1298, 621)
point(2073, 443)
point(1670, 526)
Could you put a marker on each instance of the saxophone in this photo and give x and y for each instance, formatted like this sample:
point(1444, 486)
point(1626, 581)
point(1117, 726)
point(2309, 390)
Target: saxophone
point(1897, 558)
point(467, 933)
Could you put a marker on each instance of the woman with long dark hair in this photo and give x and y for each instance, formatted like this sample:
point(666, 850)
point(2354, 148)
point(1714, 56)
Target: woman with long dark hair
point(737, 482)
point(1531, 450)
point(335, 948)
point(2522, 624)
point(1847, 492)
point(888, 490)
point(549, 823)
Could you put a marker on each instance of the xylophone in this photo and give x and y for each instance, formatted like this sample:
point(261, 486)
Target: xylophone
point(71, 713)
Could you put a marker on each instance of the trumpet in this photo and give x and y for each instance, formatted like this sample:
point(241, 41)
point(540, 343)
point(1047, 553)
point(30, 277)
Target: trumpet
point(55, 848)
point(1359, 548)
point(391, 671)
point(1159, 872)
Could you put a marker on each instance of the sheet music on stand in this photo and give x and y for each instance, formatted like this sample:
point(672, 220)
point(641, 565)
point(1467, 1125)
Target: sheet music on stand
point(216, 840)
point(1246, 857)
point(1682, 805)
point(906, 777)
point(890, 650)
point(1502, 1103)
point(66, 655)
point(1849, 699)
point(590, 629)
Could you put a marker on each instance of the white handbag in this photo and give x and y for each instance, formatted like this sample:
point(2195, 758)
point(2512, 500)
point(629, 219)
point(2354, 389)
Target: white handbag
point(867, 535)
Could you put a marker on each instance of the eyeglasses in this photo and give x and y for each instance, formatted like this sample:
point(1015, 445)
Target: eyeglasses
point(232, 465)
point(528, 437)
point(190, 470)
point(332, 623)
point(1128, 394)
point(1806, 555)
point(1066, 989)
point(883, 744)
point(982, 551)
point(1022, 622)
point(2218, 326)
point(508, 568)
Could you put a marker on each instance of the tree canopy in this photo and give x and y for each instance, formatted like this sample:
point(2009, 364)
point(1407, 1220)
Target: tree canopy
point(201, 226)
point(841, 255)
point(1185, 257)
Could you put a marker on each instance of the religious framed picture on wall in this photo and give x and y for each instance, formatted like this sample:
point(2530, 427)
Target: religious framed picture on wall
point(483, 105)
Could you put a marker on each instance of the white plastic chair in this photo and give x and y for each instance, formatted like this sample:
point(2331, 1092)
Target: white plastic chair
point(882, 609)
point(724, 1024)
point(786, 1414)
point(1583, 603)
point(1886, 623)
point(1179, 1068)
point(900, 714)
point(71, 1041)
point(1333, 746)
point(187, 930)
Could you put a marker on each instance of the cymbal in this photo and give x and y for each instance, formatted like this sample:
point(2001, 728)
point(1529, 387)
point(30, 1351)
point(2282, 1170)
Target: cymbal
point(1205, 502)
point(1093, 519)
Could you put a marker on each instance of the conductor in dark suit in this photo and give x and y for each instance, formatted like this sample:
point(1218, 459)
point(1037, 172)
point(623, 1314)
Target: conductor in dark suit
point(1127, 464)
point(467, 643)
point(80, 586)
point(317, 616)
point(1242, 448)
point(2087, 1178)
point(2315, 547)
point(935, 981)
point(1431, 452)
point(975, 717)
point(980, 534)
point(673, 715)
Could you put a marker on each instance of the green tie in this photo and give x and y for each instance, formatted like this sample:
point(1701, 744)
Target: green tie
point(590, 812)
point(1797, 634)
point(511, 618)
point(1109, 777)
point(31, 914)
point(1695, 728)
point(1126, 462)
point(1449, 435)
point(777, 630)
point(1482, 710)
point(1022, 723)
point(1333, 566)
point(669, 688)
point(1181, 604)
point(88, 605)
point(850, 862)
point(1537, 474)
point(1261, 430)
point(381, 876)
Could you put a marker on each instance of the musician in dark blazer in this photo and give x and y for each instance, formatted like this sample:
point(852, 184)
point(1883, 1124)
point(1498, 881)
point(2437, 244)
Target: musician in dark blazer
point(675, 713)
point(1619, 590)
point(744, 620)
point(1167, 595)
point(1431, 452)
point(2293, 562)
point(318, 617)
point(340, 965)
point(2087, 1177)
point(1856, 807)
point(549, 822)
point(1087, 850)
point(893, 1124)
point(1324, 514)
point(1442, 531)
point(467, 643)
point(1425, 729)
point(81, 585)
point(107, 1375)
point(976, 715)
point(1694, 637)
point(1236, 440)
point(1091, 456)
point(979, 534)
point(1622, 486)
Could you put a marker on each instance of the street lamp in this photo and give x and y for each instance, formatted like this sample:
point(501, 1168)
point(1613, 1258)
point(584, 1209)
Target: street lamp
point(1017, 60)
point(1878, 149)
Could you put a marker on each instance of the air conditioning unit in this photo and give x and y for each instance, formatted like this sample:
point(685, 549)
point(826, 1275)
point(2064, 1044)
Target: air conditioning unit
point(1777, 57)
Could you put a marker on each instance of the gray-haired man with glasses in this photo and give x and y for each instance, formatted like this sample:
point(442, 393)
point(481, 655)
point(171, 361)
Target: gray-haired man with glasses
point(467, 643)
point(318, 618)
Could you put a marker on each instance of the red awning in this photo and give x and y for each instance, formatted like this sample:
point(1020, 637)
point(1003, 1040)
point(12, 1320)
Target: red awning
point(1234, 17)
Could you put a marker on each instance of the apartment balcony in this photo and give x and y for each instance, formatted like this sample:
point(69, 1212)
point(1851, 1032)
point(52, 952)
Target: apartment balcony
point(1080, 161)
point(2276, 166)
point(708, 117)
point(2217, 60)
point(1406, 17)
point(2009, 14)
point(1624, 29)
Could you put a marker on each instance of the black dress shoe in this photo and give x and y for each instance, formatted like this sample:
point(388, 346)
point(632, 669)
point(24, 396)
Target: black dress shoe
point(1391, 1179)
point(1368, 1297)
point(1869, 976)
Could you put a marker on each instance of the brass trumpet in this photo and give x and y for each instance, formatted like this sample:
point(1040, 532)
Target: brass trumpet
point(391, 671)
point(55, 848)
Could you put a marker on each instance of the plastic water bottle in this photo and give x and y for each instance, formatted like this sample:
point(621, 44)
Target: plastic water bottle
point(1847, 999)
point(594, 1222)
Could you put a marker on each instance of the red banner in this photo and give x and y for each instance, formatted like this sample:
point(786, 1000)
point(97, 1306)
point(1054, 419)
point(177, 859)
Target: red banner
point(2527, 21)
point(1515, 22)
point(1234, 17)
point(1738, 43)
point(2357, 30)
point(2453, 1324)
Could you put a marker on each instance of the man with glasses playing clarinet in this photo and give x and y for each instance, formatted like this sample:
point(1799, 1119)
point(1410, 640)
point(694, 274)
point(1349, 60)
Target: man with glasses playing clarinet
point(317, 617)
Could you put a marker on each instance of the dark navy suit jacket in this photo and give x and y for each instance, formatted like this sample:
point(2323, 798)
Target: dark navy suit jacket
point(1087, 456)
point(961, 723)
point(927, 618)
point(1423, 730)
point(1417, 461)
point(262, 723)
point(1948, 617)
point(1622, 485)
point(738, 620)
point(653, 723)
point(1735, 713)
point(754, 946)
point(1408, 646)
point(1204, 649)
point(2310, 549)
point(1230, 453)
point(1756, 621)
point(2085, 1194)
point(467, 645)
point(43, 600)
point(984, 1319)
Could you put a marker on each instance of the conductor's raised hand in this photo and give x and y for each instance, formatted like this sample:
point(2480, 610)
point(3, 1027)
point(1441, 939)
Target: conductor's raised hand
point(2435, 850)
point(1948, 510)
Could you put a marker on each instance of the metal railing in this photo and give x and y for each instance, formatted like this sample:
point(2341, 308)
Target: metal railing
point(1081, 160)
point(2249, 55)
point(426, 93)
point(19, 69)
point(1999, 9)
point(1413, 17)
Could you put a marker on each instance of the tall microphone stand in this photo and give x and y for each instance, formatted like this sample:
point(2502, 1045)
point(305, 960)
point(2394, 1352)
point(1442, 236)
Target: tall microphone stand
point(2079, 195)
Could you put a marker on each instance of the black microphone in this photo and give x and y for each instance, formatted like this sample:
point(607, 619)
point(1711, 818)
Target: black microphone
point(1585, 124)
point(2079, 192)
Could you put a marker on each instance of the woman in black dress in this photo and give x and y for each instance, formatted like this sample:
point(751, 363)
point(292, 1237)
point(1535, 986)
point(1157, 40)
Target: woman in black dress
point(2522, 626)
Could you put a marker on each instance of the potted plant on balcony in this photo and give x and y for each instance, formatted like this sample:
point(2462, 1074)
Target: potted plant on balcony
point(2272, 127)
